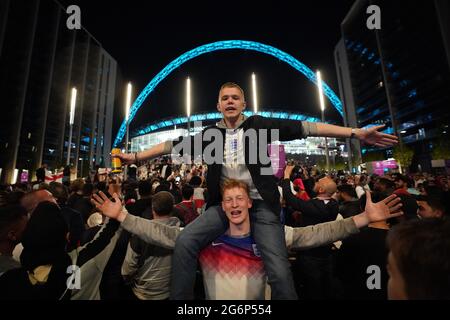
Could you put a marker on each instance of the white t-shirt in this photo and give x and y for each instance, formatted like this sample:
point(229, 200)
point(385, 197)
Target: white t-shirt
point(360, 191)
point(234, 165)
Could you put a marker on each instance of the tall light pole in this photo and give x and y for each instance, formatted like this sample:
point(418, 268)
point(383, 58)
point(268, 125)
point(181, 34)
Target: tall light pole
point(255, 98)
point(322, 109)
point(127, 117)
point(73, 101)
point(188, 103)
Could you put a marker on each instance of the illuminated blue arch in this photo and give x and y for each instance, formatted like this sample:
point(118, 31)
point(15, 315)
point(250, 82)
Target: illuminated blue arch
point(224, 45)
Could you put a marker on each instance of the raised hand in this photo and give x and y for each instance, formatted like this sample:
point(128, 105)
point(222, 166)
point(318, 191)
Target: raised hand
point(373, 137)
point(106, 206)
point(387, 208)
point(126, 158)
point(288, 171)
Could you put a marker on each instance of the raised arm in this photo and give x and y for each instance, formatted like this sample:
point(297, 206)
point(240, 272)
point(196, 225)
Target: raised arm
point(306, 207)
point(329, 232)
point(150, 231)
point(154, 152)
point(303, 238)
point(369, 136)
point(387, 208)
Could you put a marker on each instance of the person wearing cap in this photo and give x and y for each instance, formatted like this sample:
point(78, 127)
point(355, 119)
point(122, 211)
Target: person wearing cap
point(299, 187)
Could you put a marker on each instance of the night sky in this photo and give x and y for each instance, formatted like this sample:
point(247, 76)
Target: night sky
point(145, 36)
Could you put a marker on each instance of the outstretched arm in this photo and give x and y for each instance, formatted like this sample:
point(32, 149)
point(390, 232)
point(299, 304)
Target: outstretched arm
point(389, 207)
point(329, 232)
point(150, 231)
point(154, 152)
point(369, 136)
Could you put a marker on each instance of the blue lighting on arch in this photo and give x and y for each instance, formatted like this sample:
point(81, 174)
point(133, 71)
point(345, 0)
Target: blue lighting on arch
point(218, 116)
point(225, 45)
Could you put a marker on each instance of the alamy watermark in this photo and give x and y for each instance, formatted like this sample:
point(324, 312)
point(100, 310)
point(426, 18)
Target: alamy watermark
point(74, 20)
point(374, 20)
point(374, 280)
point(244, 147)
point(74, 280)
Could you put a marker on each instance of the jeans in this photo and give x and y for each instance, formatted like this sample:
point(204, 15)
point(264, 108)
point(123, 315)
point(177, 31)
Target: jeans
point(267, 232)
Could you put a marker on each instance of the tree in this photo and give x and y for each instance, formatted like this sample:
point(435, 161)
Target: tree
point(321, 163)
point(373, 156)
point(441, 150)
point(403, 155)
point(340, 163)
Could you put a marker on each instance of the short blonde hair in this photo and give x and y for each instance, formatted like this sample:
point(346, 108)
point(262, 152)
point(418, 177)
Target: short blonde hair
point(231, 85)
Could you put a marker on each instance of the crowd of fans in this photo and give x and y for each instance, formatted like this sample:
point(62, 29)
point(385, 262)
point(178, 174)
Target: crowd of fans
point(44, 228)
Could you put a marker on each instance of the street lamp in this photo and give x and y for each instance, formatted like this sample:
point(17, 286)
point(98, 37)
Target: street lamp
point(255, 99)
point(322, 109)
point(71, 120)
point(127, 117)
point(127, 113)
point(188, 103)
point(81, 167)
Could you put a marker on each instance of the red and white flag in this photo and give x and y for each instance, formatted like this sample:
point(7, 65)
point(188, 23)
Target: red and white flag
point(49, 176)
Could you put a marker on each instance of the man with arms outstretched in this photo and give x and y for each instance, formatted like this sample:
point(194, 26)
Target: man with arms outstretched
point(240, 149)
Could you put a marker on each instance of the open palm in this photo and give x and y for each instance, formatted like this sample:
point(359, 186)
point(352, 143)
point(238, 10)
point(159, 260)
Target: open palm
point(106, 206)
point(383, 210)
point(374, 137)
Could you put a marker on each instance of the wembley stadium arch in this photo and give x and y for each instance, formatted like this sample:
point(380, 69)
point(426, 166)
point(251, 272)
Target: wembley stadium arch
point(225, 45)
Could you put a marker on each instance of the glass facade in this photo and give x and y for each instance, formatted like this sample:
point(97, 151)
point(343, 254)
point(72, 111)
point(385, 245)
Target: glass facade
point(41, 60)
point(399, 75)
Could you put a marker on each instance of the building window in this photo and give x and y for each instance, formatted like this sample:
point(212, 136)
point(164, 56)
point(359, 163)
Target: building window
point(422, 132)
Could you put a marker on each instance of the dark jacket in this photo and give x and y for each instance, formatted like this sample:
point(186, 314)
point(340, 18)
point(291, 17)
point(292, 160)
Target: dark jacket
point(141, 208)
point(265, 184)
point(356, 254)
point(81, 204)
point(44, 244)
point(40, 174)
point(350, 208)
point(75, 223)
point(313, 211)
